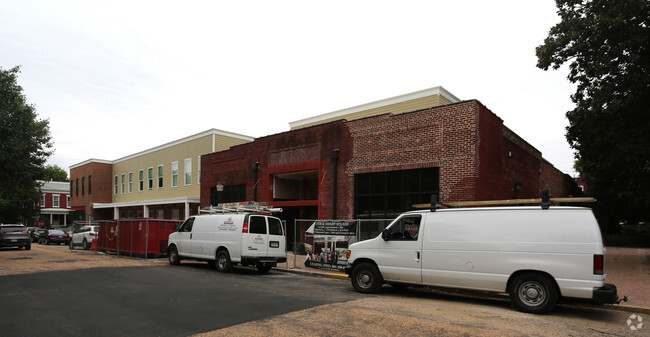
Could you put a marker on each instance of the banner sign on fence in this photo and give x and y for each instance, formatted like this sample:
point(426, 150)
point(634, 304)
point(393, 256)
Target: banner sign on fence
point(334, 228)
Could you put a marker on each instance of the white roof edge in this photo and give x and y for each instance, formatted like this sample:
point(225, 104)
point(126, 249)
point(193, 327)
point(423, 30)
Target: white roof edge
point(186, 139)
point(166, 145)
point(92, 160)
point(439, 90)
point(147, 202)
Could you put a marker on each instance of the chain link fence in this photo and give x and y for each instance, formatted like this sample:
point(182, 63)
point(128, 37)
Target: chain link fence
point(319, 249)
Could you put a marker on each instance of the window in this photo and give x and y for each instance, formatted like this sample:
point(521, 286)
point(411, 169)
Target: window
point(71, 187)
point(188, 171)
point(90, 185)
point(130, 182)
point(55, 200)
point(160, 176)
point(42, 200)
point(115, 185)
point(150, 178)
point(257, 225)
point(141, 180)
point(405, 229)
point(275, 226)
point(67, 201)
point(187, 225)
point(387, 194)
point(175, 174)
point(83, 185)
point(229, 194)
point(123, 183)
point(198, 172)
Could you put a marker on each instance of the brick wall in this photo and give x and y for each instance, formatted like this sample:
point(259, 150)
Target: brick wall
point(102, 186)
point(300, 150)
point(444, 137)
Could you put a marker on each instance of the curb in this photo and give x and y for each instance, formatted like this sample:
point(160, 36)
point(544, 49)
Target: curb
point(626, 308)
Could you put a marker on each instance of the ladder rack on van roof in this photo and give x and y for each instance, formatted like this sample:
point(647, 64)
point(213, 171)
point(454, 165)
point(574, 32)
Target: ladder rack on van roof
point(545, 202)
point(241, 207)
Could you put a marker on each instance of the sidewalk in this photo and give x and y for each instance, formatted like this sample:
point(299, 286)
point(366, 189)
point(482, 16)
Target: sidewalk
point(627, 268)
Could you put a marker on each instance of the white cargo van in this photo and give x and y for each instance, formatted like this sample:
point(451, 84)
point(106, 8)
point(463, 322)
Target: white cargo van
point(536, 255)
point(229, 239)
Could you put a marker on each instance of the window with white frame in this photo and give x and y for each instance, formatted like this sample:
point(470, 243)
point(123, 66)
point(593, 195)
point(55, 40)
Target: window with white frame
point(55, 200)
point(130, 182)
point(150, 178)
point(115, 185)
point(198, 171)
point(141, 180)
point(67, 201)
point(42, 200)
point(123, 183)
point(175, 174)
point(161, 171)
point(187, 169)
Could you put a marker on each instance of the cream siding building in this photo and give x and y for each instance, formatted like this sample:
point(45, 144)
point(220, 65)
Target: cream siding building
point(396, 105)
point(164, 181)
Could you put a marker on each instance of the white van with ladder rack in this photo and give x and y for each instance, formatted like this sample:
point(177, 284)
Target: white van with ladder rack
point(536, 255)
point(231, 234)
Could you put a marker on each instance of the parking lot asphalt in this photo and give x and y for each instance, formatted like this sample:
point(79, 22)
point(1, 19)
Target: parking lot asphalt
point(627, 268)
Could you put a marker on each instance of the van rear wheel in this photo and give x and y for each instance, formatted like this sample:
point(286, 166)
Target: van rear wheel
point(224, 264)
point(366, 278)
point(534, 293)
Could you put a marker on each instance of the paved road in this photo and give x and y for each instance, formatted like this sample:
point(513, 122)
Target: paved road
point(52, 291)
point(153, 301)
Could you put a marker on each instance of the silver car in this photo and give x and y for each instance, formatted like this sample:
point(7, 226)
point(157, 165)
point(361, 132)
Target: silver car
point(15, 235)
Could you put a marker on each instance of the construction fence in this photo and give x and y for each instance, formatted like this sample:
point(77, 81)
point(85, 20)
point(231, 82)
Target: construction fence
point(325, 242)
point(135, 237)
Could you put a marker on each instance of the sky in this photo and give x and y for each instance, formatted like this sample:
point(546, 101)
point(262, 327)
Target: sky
point(118, 77)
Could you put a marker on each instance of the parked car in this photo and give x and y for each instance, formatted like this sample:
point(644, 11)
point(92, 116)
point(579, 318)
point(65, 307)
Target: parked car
point(15, 235)
point(54, 236)
point(38, 233)
point(84, 236)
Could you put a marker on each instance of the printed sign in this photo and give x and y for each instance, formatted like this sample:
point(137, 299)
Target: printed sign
point(334, 228)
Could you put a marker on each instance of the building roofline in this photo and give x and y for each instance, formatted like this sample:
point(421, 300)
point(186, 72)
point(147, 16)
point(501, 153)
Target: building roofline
point(147, 202)
point(377, 104)
point(89, 161)
point(213, 132)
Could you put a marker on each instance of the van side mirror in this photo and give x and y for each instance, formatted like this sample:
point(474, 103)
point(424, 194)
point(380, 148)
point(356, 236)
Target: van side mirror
point(385, 235)
point(178, 226)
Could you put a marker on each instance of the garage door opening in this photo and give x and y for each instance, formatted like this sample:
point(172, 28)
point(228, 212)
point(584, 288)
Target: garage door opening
point(293, 186)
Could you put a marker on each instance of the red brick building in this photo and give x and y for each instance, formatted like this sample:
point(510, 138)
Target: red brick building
point(378, 166)
point(91, 182)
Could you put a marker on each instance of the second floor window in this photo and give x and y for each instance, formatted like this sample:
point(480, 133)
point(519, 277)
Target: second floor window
point(160, 176)
point(55, 200)
point(123, 183)
point(150, 177)
point(175, 174)
point(141, 180)
point(188, 171)
point(115, 185)
point(130, 182)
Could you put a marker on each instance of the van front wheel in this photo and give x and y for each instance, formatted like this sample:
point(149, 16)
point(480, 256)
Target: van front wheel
point(366, 278)
point(224, 264)
point(533, 293)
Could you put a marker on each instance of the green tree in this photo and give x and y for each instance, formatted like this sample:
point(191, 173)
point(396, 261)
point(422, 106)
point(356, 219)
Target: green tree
point(25, 145)
point(606, 44)
point(55, 173)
